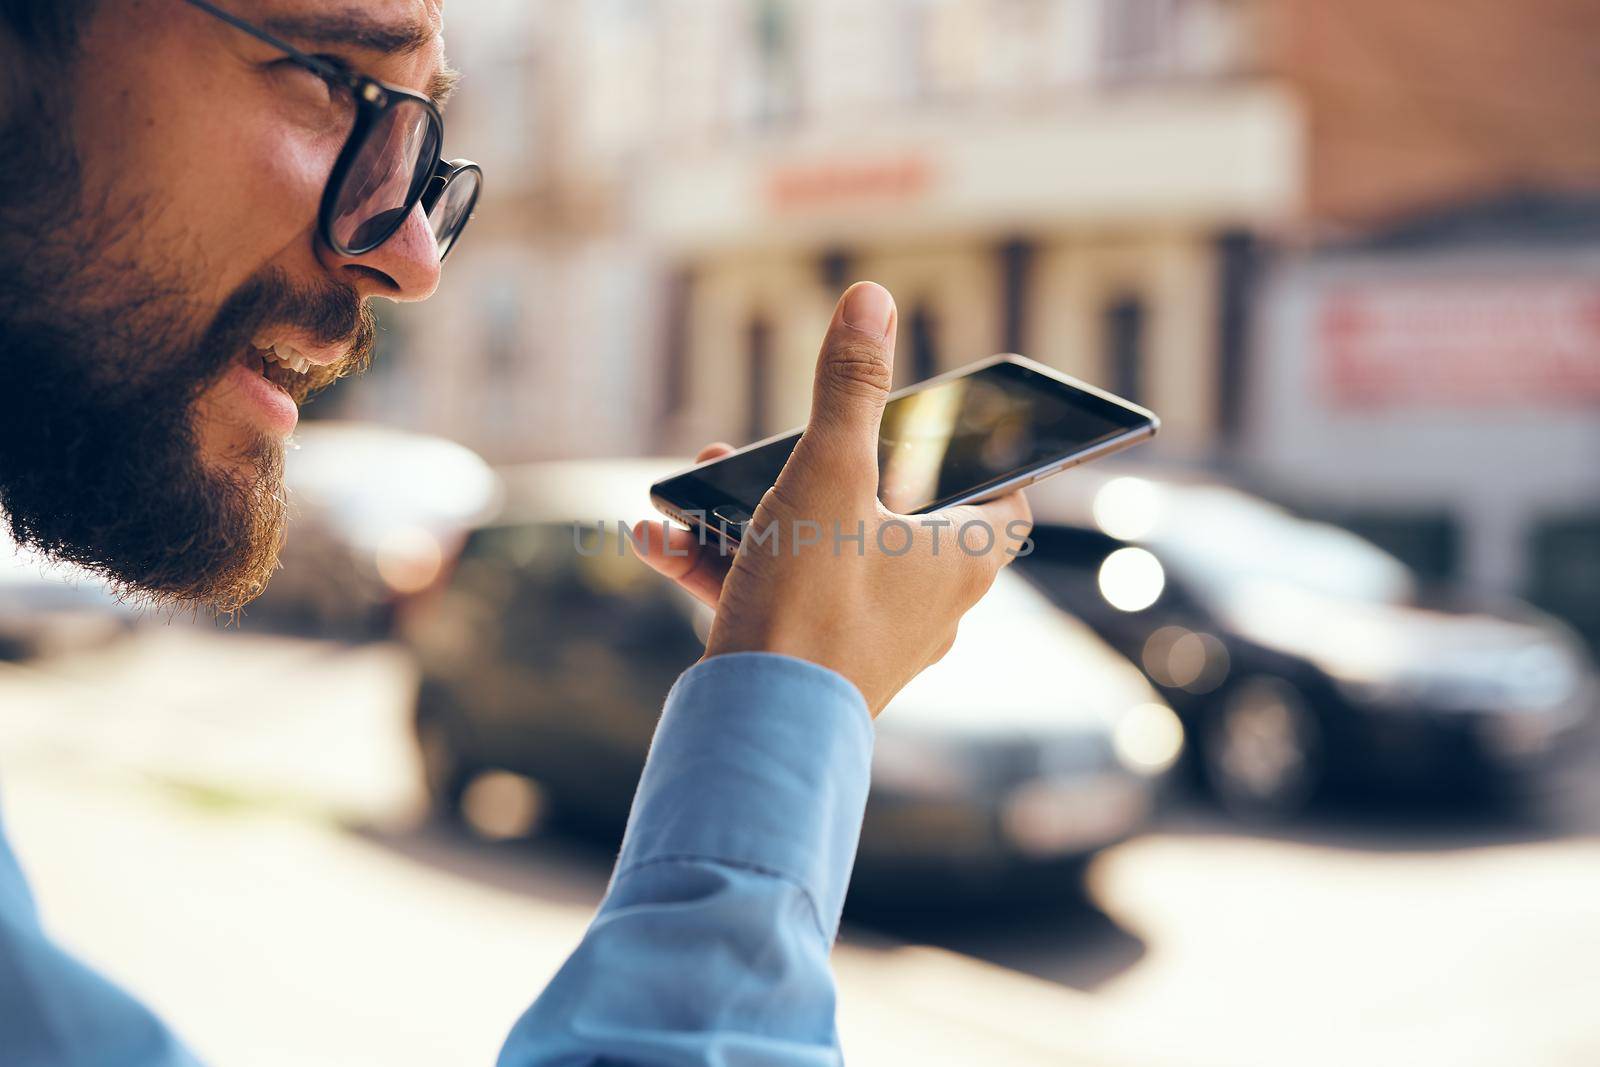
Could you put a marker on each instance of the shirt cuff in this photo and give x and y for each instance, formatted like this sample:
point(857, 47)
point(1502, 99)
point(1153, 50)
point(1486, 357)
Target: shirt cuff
point(763, 761)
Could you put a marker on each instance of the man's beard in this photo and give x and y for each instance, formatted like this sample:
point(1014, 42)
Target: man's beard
point(101, 366)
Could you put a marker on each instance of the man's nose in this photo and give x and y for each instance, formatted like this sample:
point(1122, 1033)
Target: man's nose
point(403, 268)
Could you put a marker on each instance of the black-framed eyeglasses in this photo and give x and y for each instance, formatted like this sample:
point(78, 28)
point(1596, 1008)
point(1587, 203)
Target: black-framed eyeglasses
point(389, 164)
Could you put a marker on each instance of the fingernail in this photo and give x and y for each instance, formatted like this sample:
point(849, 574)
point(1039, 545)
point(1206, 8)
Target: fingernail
point(867, 307)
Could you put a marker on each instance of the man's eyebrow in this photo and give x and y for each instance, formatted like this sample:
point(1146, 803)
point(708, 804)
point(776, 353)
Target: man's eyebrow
point(352, 29)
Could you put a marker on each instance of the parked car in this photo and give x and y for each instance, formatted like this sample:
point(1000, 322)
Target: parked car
point(1028, 748)
point(50, 608)
point(1301, 657)
point(375, 513)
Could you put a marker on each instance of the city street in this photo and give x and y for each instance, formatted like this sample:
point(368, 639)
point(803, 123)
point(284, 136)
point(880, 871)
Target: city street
point(230, 824)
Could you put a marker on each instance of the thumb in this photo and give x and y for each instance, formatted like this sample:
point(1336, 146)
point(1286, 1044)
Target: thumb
point(854, 371)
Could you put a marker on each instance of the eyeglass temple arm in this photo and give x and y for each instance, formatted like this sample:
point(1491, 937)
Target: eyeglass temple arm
point(443, 171)
point(327, 70)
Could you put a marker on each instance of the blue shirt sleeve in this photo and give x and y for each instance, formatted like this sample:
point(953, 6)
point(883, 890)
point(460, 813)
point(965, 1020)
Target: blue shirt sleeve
point(57, 1012)
point(711, 945)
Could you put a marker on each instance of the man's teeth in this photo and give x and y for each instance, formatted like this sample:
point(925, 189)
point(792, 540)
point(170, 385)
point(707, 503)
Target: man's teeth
point(285, 355)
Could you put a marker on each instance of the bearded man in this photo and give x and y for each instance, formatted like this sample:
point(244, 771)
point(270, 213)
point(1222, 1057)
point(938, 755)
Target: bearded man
point(198, 203)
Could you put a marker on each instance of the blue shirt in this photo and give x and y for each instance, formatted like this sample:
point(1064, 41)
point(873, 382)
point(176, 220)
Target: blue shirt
point(710, 946)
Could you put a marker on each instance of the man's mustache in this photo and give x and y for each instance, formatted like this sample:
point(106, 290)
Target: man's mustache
point(333, 315)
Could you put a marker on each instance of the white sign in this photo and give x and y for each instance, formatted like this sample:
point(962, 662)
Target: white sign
point(1461, 342)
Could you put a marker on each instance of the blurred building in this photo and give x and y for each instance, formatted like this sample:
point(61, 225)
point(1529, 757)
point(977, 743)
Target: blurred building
point(1437, 386)
point(1426, 358)
point(1416, 105)
point(1091, 182)
point(541, 341)
point(677, 191)
point(1071, 179)
point(1181, 200)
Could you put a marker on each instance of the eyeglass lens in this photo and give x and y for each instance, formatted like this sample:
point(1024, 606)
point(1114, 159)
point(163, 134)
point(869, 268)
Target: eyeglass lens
point(451, 210)
point(386, 176)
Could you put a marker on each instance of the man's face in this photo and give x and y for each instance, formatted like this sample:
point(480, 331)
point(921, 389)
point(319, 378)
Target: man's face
point(158, 225)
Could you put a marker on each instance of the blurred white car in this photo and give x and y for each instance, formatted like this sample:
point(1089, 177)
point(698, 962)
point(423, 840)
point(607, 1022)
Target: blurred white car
point(375, 513)
point(548, 650)
point(1031, 742)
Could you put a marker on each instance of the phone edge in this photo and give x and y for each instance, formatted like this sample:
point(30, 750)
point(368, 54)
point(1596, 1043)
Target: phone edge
point(1117, 444)
point(1039, 474)
point(954, 372)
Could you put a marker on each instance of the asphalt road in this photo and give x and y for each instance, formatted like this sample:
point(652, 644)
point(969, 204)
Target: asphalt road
point(230, 825)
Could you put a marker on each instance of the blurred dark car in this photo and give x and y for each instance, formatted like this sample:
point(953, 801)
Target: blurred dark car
point(48, 609)
point(1302, 658)
point(1029, 747)
point(375, 513)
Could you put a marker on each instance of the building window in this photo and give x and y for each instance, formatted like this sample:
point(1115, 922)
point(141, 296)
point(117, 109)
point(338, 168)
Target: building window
point(1124, 346)
point(924, 344)
point(945, 52)
point(1016, 268)
point(1138, 35)
point(675, 343)
point(1164, 39)
point(758, 342)
point(771, 82)
point(1236, 281)
point(834, 269)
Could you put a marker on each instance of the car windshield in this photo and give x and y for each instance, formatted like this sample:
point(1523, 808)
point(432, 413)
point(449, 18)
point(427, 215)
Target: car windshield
point(1226, 544)
point(1004, 672)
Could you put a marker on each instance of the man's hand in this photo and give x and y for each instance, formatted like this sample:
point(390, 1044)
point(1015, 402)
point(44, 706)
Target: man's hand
point(825, 572)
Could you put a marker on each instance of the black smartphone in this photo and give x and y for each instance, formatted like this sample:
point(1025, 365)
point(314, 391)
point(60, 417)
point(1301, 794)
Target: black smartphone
point(966, 436)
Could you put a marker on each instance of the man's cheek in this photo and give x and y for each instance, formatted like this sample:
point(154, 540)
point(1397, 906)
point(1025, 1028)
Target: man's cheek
point(263, 205)
point(262, 211)
point(291, 170)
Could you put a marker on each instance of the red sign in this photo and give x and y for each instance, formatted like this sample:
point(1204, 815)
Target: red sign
point(1461, 342)
point(847, 183)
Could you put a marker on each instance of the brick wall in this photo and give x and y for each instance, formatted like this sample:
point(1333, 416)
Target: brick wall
point(1415, 104)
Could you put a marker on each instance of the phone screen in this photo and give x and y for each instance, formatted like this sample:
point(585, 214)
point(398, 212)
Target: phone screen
point(942, 443)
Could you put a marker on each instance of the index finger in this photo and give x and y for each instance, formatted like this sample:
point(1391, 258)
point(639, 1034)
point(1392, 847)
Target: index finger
point(683, 556)
point(1009, 519)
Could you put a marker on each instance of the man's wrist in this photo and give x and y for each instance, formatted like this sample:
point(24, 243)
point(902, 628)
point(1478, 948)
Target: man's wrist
point(762, 760)
point(811, 658)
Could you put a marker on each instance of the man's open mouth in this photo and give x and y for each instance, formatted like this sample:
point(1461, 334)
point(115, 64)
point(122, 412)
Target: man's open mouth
point(282, 365)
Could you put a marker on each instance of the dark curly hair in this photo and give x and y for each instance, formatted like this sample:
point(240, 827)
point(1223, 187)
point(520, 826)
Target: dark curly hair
point(47, 25)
